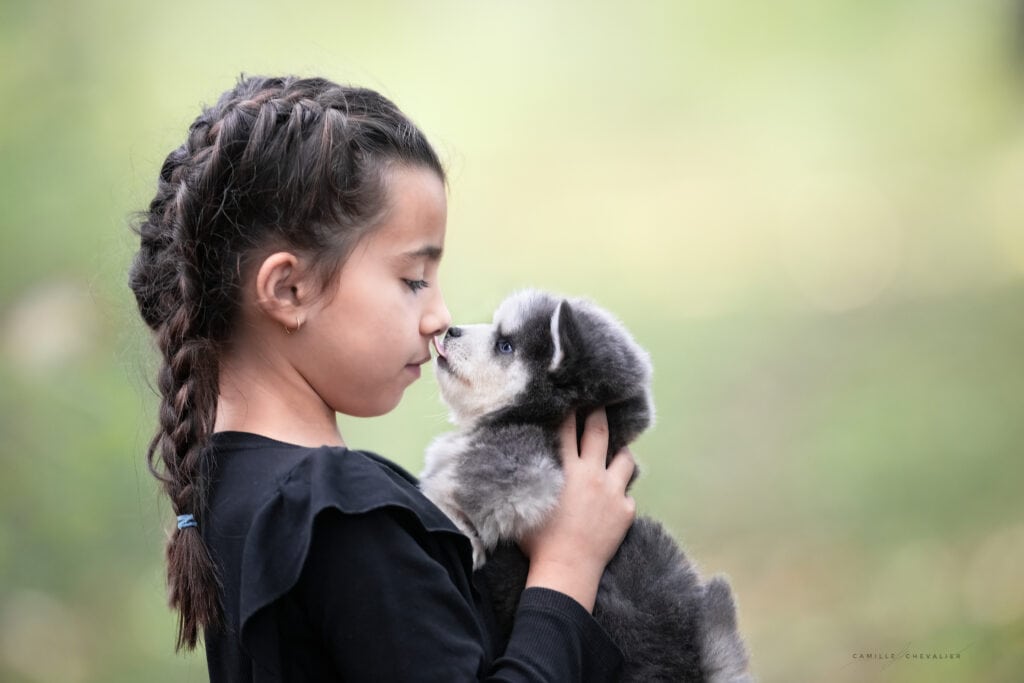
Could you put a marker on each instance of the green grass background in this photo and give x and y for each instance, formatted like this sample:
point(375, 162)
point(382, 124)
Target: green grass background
point(811, 212)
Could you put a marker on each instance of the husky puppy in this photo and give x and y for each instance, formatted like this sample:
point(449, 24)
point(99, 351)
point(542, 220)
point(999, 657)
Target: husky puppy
point(509, 385)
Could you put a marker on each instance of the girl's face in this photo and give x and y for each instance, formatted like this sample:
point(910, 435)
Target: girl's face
point(363, 343)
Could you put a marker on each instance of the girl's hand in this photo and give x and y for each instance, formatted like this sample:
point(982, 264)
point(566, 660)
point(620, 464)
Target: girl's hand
point(570, 551)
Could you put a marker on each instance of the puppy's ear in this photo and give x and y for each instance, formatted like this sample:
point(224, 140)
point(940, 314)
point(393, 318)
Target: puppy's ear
point(565, 335)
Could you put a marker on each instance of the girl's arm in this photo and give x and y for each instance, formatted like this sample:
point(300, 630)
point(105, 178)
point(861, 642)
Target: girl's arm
point(380, 589)
point(388, 610)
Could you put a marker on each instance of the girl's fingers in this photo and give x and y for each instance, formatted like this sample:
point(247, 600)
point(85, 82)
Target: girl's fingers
point(593, 447)
point(594, 444)
point(567, 439)
point(622, 467)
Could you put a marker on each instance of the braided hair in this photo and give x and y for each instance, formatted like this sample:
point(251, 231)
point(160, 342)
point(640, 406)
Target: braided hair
point(291, 163)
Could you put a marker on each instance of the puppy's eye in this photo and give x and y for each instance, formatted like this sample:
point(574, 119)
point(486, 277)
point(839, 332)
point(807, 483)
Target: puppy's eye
point(504, 346)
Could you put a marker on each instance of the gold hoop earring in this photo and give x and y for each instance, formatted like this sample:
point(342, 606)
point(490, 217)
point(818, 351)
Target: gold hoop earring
point(298, 324)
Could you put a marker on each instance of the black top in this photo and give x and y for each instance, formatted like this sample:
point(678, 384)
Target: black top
point(335, 567)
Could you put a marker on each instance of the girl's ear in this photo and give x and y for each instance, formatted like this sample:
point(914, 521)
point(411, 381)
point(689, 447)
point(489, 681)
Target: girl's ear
point(284, 289)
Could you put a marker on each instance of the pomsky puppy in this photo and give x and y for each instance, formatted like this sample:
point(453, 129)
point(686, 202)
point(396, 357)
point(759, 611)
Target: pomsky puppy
point(509, 385)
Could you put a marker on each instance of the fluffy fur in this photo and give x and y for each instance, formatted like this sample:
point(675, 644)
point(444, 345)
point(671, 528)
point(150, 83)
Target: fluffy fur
point(509, 385)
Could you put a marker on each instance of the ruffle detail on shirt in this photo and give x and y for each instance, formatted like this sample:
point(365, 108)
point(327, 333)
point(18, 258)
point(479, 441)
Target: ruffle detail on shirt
point(277, 543)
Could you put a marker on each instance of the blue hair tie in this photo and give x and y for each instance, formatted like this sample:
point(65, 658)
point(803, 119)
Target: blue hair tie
point(185, 521)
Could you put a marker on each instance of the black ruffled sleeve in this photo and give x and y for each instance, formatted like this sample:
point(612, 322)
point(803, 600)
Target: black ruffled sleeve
point(383, 581)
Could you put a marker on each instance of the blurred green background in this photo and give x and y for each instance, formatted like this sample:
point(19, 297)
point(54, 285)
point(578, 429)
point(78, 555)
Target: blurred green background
point(811, 212)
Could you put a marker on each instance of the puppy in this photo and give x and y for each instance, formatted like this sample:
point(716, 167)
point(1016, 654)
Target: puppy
point(509, 385)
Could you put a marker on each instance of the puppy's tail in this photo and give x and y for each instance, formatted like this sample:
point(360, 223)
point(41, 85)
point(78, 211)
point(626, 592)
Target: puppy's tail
point(723, 654)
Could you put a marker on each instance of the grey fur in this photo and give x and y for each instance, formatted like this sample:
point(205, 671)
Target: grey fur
point(499, 476)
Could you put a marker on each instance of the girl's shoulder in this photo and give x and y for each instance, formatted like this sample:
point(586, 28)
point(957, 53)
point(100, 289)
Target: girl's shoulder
point(266, 496)
point(252, 472)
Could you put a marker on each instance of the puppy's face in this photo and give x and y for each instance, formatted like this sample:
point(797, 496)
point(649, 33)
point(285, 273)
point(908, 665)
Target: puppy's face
point(483, 368)
point(542, 357)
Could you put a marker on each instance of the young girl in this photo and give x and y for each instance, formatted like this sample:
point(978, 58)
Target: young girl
point(288, 268)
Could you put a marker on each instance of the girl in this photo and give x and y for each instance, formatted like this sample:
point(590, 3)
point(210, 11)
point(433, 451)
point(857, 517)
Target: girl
point(288, 268)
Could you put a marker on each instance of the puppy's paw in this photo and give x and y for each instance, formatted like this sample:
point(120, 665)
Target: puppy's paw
point(479, 553)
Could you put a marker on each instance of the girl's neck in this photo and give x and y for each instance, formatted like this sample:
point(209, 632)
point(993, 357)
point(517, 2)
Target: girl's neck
point(262, 397)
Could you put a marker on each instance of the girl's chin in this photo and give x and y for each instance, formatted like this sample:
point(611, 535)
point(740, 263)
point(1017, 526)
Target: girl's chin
point(379, 405)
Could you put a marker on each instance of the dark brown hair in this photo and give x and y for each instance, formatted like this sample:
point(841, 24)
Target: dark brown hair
point(290, 163)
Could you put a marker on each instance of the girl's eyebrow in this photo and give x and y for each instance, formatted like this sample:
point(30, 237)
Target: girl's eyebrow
point(429, 251)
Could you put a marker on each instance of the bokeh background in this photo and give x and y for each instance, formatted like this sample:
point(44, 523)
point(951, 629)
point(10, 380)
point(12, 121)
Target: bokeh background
point(810, 211)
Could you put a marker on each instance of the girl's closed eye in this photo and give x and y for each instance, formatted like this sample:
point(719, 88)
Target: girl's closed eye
point(416, 285)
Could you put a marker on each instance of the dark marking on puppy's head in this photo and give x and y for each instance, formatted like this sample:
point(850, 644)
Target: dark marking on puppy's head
point(578, 357)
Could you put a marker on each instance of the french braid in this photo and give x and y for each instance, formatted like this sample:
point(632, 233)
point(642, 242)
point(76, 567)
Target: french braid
point(298, 163)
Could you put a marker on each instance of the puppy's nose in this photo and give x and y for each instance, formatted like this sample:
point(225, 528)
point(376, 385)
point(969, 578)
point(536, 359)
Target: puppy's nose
point(453, 332)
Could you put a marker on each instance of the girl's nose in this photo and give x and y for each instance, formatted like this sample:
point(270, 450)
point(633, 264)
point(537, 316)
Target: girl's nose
point(437, 319)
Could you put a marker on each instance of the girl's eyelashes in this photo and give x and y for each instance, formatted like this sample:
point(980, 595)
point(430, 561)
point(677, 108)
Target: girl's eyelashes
point(416, 285)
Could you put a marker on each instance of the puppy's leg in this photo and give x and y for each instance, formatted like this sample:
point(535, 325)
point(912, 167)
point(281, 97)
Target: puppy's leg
point(722, 651)
point(509, 482)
